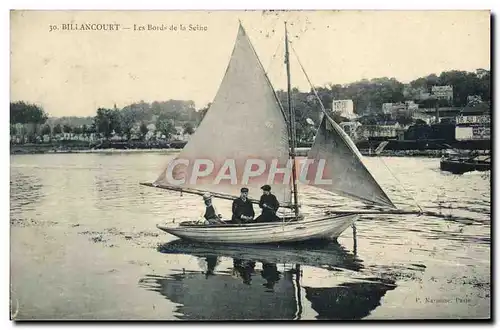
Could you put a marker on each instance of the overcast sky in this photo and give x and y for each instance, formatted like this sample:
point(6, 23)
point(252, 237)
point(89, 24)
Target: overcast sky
point(71, 73)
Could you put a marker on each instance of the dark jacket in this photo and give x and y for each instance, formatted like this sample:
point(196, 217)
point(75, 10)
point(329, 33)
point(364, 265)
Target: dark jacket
point(210, 212)
point(241, 207)
point(269, 200)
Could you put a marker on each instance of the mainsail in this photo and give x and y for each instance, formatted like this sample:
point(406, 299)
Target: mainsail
point(244, 122)
point(344, 170)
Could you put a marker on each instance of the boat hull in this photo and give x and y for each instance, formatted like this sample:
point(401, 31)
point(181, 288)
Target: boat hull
point(260, 233)
point(460, 167)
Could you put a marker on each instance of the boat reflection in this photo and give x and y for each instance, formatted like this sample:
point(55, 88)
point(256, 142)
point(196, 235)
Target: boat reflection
point(324, 254)
point(245, 269)
point(272, 285)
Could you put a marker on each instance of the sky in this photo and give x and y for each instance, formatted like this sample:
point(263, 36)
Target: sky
point(73, 72)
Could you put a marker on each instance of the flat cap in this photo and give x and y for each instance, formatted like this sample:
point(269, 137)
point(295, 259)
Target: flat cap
point(266, 187)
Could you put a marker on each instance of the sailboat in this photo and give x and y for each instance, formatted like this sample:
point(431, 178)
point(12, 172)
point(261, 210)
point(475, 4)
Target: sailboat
point(246, 121)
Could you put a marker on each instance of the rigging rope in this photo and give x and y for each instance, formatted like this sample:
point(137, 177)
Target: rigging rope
point(309, 81)
point(274, 56)
point(402, 186)
point(324, 111)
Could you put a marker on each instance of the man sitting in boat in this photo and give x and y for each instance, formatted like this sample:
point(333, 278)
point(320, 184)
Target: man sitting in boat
point(269, 205)
point(242, 208)
point(211, 216)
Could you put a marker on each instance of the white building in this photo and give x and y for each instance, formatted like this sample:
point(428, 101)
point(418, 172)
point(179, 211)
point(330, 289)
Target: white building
point(442, 92)
point(345, 108)
point(411, 106)
point(379, 131)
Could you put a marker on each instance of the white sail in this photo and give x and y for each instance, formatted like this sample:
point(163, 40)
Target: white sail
point(245, 122)
point(343, 170)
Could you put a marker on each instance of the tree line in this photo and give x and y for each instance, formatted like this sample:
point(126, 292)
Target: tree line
point(367, 95)
point(109, 122)
point(31, 121)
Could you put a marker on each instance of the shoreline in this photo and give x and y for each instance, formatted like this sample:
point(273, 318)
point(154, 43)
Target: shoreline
point(91, 151)
point(301, 152)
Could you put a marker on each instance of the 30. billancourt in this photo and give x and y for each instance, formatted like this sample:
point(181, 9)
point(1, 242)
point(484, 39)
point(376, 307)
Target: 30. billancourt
point(135, 27)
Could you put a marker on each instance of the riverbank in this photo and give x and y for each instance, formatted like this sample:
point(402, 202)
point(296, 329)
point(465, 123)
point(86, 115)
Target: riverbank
point(42, 150)
point(301, 152)
point(96, 146)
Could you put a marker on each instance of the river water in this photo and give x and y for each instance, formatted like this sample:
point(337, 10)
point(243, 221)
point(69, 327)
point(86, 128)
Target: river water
point(84, 246)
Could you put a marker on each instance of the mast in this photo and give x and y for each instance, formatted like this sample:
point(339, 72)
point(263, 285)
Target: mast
point(291, 118)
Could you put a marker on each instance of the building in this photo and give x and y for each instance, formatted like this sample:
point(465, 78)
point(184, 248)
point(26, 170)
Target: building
point(427, 118)
point(345, 108)
point(422, 94)
point(473, 128)
point(446, 111)
point(395, 109)
point(442, 92)
point(411, 106)
point(351, 129)
point(386, 131)
point(474, 99)
point(387, 108)
point(180, 135)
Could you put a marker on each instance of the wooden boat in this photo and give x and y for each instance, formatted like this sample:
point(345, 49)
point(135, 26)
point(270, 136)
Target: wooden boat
point(458, 164)
point(291, 231)
point(246, 120)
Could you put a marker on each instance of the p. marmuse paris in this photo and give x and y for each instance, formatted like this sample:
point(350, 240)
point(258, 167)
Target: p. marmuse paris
point(176, 27)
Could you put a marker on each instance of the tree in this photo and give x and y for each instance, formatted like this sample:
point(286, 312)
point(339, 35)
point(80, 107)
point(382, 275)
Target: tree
point(305, 105)
point(57, 129)
point(128, 120)
point(116, 122)
point(202, 112)
point(165, 127)
point(464, 84)
point(77, 130)
point(188, 128)
point(368, 120)
point(67, 128)
point(85, 131)
point(144, 130)
point(46, 130)
point(104, 121)
point(92, 128)
point(27, 113)
point(30, 115)
point(13, 129)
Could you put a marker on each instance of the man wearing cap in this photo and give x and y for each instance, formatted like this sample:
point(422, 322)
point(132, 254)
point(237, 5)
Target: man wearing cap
point(210, 215)
point(269, 205)
point(242, 208)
